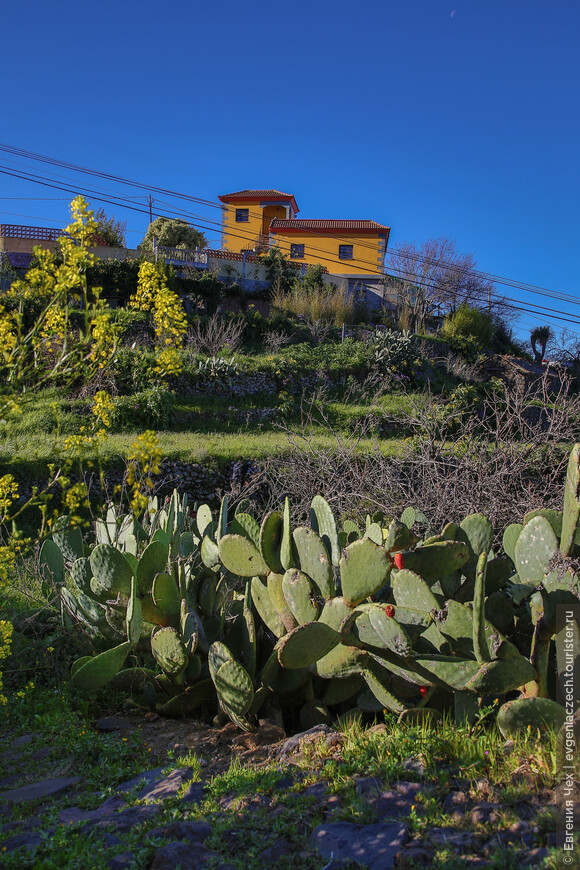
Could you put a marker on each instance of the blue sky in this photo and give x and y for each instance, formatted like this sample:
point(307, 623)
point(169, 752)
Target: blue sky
point(456, 118)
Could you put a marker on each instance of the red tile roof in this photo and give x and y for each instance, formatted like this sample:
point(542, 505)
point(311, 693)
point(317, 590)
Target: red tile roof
point(260, 196)
point(328, 226)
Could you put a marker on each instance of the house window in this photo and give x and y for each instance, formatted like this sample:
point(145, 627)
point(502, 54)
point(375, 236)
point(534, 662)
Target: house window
point(296, 252)
point(242, 215)
point(345, 252)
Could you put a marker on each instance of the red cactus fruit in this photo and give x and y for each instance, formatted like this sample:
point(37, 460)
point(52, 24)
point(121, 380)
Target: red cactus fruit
point(390, 610)
point(398, 560)
point(423, 691)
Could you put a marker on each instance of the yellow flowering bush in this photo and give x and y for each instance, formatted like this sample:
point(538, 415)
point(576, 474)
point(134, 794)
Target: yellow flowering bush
point(169, 317)
point(104, 335)
point(8, 334)
point(103, 407)
point(75, 498)
point(144, 462)
point(8, 495)
point(5, 642)
point(54, 326)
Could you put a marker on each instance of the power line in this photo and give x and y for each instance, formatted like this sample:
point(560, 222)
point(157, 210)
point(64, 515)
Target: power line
point(121, 201)
point(120, 179)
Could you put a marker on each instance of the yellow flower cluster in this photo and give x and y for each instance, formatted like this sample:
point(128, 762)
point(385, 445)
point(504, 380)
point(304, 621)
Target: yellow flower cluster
point(54, 325)
point(8, 337)
point(5, 642)
point(76, 443)
point(169, 318)
point(74, 498)
point(103, 406)
point(167, 362)
point(8, 494)
point(104, 334)
point(41, 280)
point(148, 287)
point(144, 462)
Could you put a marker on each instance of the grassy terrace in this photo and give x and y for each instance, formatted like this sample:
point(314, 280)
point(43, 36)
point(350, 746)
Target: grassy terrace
point(204, 430)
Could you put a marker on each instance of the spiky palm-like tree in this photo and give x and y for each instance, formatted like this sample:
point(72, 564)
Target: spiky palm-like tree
point(541, 335)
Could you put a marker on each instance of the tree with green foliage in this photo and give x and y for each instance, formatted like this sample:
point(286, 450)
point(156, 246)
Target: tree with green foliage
point(110, 232)
point(279, 271)
point(172, 233)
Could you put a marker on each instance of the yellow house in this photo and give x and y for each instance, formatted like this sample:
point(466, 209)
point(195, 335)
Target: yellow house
point(260, 219)
point(247, 214)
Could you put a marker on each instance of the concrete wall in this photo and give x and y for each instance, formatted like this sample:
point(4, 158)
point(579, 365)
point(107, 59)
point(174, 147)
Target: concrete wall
point(24, 246)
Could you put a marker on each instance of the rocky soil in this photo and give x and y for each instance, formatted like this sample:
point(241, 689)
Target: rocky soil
point(479, 827)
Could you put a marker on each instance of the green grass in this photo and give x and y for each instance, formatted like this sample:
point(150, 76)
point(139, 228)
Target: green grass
point(65, 722)
point(33, 438)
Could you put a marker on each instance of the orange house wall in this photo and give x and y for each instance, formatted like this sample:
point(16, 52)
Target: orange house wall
point(368, 251)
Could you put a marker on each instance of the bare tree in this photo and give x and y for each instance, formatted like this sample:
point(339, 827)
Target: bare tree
point(434, 278)
point(215, 334)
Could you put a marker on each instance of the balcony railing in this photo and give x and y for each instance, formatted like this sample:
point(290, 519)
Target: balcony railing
point(184, 256)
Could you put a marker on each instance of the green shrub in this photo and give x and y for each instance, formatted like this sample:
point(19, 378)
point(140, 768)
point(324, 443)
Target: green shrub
point(346, 357)
point(395, 354)
point(132, 370)
point(151, 408)
point(470, 323)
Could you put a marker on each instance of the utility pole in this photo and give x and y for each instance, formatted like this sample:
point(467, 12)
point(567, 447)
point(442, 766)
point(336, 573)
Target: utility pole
point(150, 209)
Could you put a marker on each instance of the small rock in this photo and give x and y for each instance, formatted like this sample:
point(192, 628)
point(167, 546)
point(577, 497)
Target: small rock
point(461, 841)
point(270, 856)
point(519, 828)
point(261, 801)
point(414, 765)
point(484, 813)
point(72, 815)
point(315, 790)
point(506, 838)
point(166, 787)
point(24, 840)
point(397, 802)
point(229, 801)
point(122, 861)
point(455, 805)
point(114, 723)
point(125, 820)
point(179, 855)
point(25, 739)
point(146, 778)
point(188, 832)
point(36, 790)
point(413, 856)
point(195, 793)
point(374, 845)
point(318, 732)
point(368, 787)
point(41, 754)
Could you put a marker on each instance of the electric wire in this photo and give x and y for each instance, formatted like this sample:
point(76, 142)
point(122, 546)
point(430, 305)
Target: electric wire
point(121, 201)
